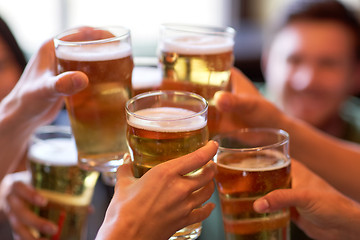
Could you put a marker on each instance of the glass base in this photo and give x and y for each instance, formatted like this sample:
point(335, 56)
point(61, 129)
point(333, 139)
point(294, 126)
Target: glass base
point(109, 178)
point(187, 233)
point(102, 164)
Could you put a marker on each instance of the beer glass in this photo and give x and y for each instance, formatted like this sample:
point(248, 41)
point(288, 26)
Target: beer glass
point(197, 59)
point(164, 125)
point(52, 162)
point(252, 163)
point(97, 114)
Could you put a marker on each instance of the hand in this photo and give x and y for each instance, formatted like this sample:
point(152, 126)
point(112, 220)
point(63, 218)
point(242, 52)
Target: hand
point(317, 208)
point(39, 91)
point(245, 105)
point(163, 200)
point(34, 101)
point(18, 198)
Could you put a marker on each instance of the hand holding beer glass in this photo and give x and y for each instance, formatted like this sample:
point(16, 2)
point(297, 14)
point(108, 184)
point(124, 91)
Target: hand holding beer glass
point(163, 125)
point(252, 163)
point(197, 59)
point(97, 113)
point(56, 176)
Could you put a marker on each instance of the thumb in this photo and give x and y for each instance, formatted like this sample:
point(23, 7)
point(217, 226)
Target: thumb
point(240, 84)
point(69, 83)
point(124, 172)
point(281, 198)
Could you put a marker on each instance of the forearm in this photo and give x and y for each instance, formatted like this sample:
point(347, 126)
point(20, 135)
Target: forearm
point(335, 160)
point(15, 131)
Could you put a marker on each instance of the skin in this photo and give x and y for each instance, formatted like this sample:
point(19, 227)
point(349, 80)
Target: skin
point(310, 77)
point(169, 200)
point(34, 101)
point(319, 151)
point(10, 71)
point(317, 208)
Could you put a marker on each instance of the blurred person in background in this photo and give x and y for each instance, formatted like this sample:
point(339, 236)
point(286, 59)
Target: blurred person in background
point(12, 64)
point(318, 209)
point(12, 60)
point(311, 66)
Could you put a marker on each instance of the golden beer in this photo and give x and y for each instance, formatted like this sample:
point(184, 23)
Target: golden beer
point(164, 125)
point(69, 189)
point(257, 165)
point(97, 113)
point(241, 180)
point(199, 60)
point(152, 144)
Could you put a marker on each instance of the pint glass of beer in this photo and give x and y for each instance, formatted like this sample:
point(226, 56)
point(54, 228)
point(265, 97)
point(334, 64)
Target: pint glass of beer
point(163, 125)
point(55, 175)
point(197, 59)
point(252, 163)
point(97, 113)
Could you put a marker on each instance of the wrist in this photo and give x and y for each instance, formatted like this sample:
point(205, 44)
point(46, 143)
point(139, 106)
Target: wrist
point(118, 224)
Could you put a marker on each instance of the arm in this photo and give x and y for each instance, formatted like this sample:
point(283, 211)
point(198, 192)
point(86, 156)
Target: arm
point(162, 201)
point(335, 160)
point(321, 211)
point(34, 101)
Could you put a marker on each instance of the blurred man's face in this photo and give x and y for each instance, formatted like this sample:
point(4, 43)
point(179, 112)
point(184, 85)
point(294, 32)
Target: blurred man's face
point(310, 70)
point(9, 69)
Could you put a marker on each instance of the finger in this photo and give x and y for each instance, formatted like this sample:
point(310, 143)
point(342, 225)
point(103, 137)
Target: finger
point(69, 83)
point(23, 216)
point(202, 195)
point(282, 198)
point(201, 177)
point(200, 214)
point(124, 172)
point(28, 193)
point(22, 233)
point(241, 84)
point(225, 102)
point(193, 161)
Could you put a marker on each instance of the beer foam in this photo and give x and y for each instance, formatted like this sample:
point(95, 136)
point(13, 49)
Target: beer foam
point(92, 53)
point(269, 162)
point(57, 151)
point(167, 119)
point(198, 45)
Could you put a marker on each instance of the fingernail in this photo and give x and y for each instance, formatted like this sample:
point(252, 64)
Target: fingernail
point(78, 82)
point(51, 229)
point(216, 143)
point(261, 205)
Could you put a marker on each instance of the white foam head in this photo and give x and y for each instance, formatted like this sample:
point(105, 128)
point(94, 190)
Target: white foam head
point(197, 45)
point(167, 119)
point(56, 152)
point(95, 52)
point(272, 161)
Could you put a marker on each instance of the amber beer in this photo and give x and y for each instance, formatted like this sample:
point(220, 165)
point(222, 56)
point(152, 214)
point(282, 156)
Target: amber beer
point(69, 189)
point(163, 127)
point(151, 144)
point(197, 59)
point(244, 176)
point(97, 113)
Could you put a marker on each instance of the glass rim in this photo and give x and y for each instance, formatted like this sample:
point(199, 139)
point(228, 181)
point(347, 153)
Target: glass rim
point(166, 92)
point(277, 131)
point(58, 41)
point(200, 29)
